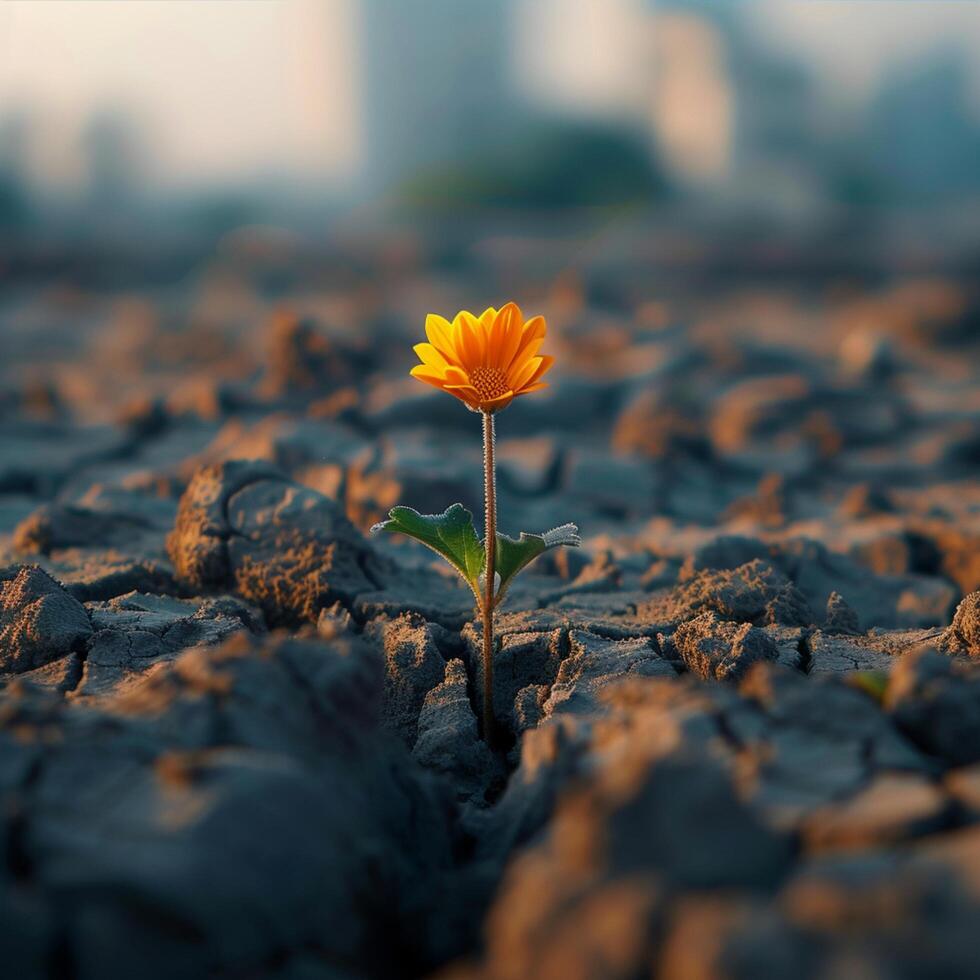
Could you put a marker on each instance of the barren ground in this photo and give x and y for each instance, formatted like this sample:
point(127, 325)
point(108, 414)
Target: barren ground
point(742, 723)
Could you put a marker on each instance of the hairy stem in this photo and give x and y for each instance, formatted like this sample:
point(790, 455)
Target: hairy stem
point(489, 572)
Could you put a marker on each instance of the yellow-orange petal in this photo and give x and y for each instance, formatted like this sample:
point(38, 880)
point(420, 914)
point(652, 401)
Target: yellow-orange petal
point(470, 345)
point(440, 333)
point(527, 389)
point(466, 393)
point(523, 375)
point(468, 390)
point(494, 342)
point(487, 317)
point(533, 333)
point(520, 362)
point(421, 373)
point(546, 361)
point(506, 322)
point(430, 356)
point(510, 329)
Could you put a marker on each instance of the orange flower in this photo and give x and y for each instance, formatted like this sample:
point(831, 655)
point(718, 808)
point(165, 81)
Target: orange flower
point(485, 361)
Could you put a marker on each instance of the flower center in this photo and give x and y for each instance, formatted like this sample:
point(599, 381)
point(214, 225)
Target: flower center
point(490, 382)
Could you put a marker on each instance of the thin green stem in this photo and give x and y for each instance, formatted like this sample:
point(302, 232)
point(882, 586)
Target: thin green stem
point(489, 572)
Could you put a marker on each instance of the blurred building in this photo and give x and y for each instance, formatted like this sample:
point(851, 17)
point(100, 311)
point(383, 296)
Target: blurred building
point(15, 191)
point(437, 84)
point(923, 132)
point(726, 112)
point(691, 99)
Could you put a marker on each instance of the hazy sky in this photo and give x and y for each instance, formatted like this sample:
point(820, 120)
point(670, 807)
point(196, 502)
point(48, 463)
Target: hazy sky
point(590, 54)
point(227, 89)
point(853, 41)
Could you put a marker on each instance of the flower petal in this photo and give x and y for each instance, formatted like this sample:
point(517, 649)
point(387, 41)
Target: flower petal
point(440, 333)
point(527, 389)
point(546, 361)
point(423, 373)
point(466, 393)
point(431, 357)
point(509, 324)
point(520, 362)
point(534, 332)
point(524, 374)
point(470, 342)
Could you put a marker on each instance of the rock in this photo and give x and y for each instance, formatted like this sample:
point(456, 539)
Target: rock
point(550, 757)
point(754, 592)
point(769, 506)
point(245, 794)
point(288, 549)
point(963, 634)
point(95, 576)
point(788, 607)
point(522, 658)
point(102, 518)
point(601, 575)
point(936, 702)
point(413, 667)
point(840, 617)
point(837, 654)
point(593, 662)
point(133, 631)
point(893, 808)
point(412, 468)
point(720, 650)
point(726, 552)
point(963, 785)
point(791, 645)
point(866, 500)
point(956, 550)
point(529, 467)
point(290, 443)
point(40, 456)
point(759, 418)
point(333, 621)
point(529, 706)
point(586, 901)
point(304, 360)
point(881, 915)
point(39, 620)
point(888, 553)
point(888, 601)
point(615, 486)
point(448, 740)
point(733, 937)
point(67, 527)
point(433, 593)
point(809, 742)
point(655, 425)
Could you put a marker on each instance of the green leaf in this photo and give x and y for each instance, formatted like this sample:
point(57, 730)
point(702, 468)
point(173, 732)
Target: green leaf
point(513, 555)
point(450, 534)
point(872, 682)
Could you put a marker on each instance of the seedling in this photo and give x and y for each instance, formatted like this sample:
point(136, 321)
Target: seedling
point(486, 362)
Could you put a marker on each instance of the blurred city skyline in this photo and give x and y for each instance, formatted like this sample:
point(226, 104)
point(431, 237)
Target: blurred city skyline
point(764, 100)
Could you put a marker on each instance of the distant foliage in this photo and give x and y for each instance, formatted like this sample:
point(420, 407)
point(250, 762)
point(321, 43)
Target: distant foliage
point(556, 166)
